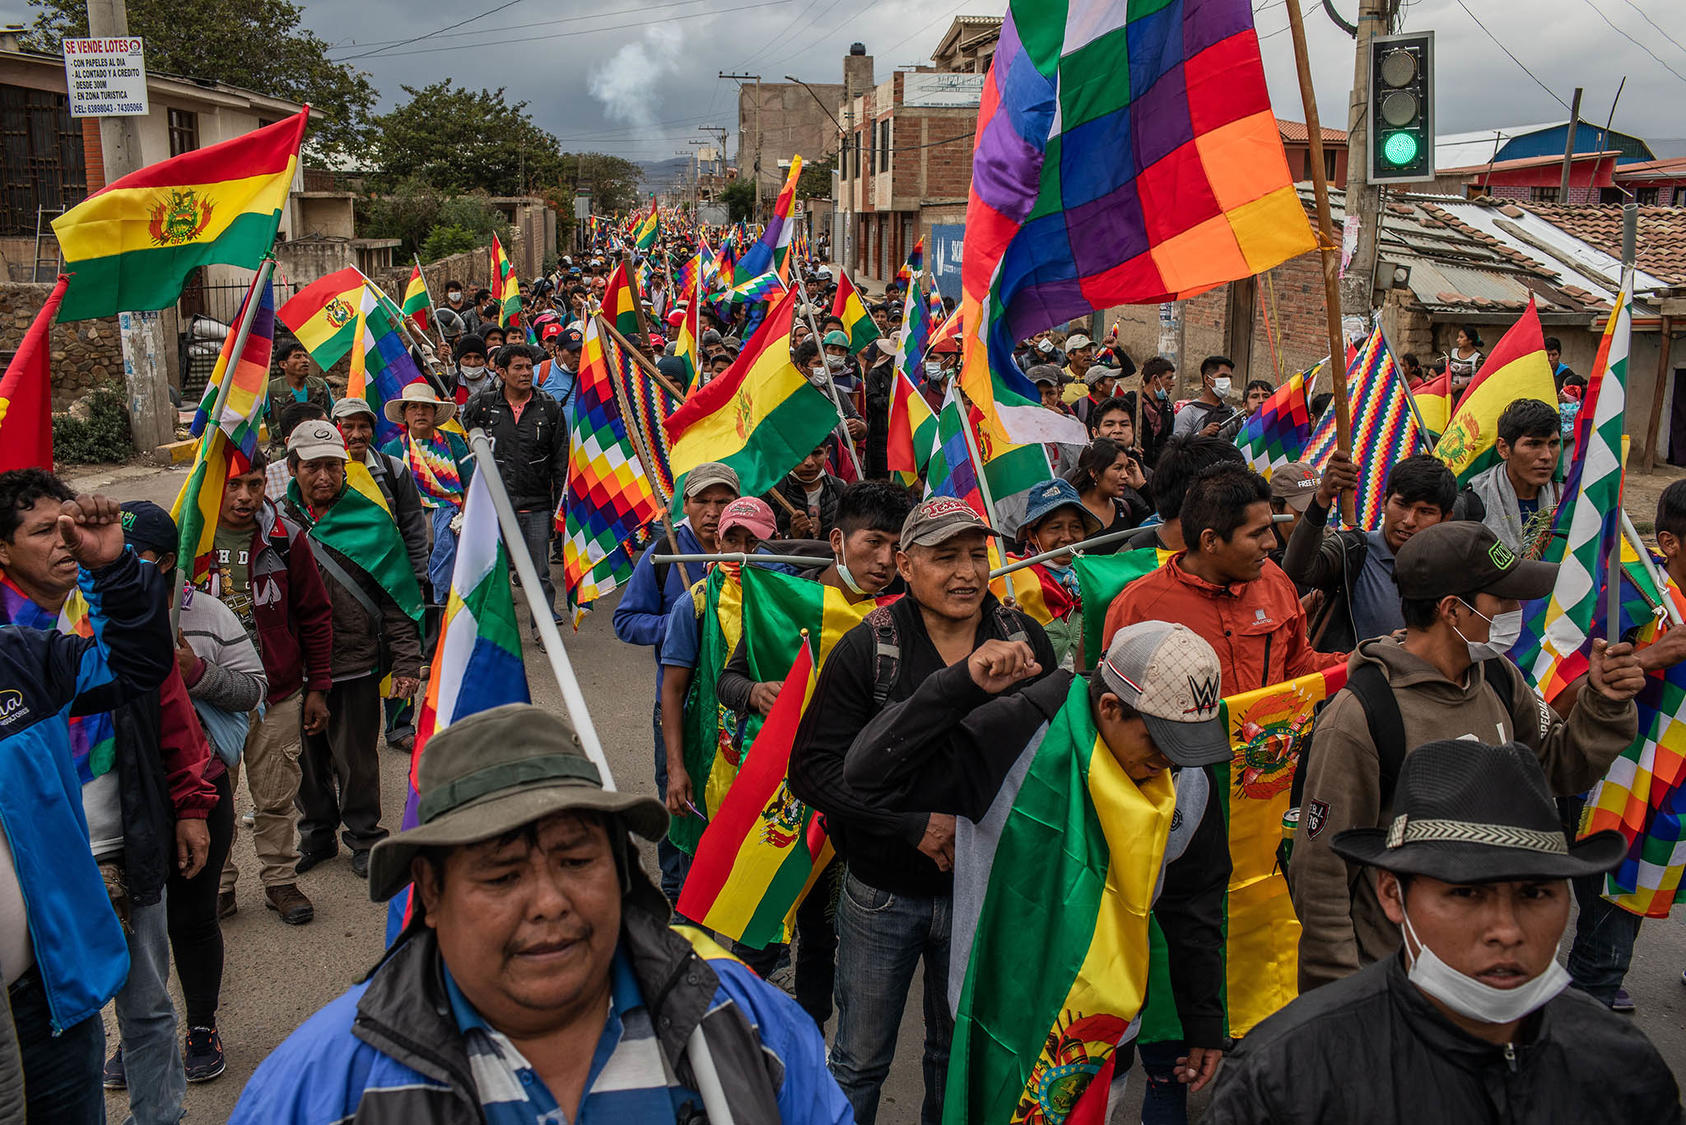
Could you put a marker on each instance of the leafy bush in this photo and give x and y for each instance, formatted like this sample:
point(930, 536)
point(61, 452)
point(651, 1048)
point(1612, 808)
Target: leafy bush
point(444, 241)
point(104, 436)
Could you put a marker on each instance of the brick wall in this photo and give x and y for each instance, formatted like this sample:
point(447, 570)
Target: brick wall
point(85, 354)
point(93, 154)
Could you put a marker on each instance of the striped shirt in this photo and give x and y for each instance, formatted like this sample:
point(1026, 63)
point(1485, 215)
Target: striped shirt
point(629, 1081)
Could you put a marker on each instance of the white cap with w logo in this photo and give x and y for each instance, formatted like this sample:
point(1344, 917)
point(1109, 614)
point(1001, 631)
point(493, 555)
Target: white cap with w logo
point(1172, 679)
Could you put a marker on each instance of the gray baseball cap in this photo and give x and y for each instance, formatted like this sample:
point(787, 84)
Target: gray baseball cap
point(316, 439)
point(940, 519)
point(708, 474)
point(1171, 676)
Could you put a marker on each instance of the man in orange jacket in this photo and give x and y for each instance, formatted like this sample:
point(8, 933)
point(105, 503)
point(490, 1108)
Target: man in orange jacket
point(1225, 588)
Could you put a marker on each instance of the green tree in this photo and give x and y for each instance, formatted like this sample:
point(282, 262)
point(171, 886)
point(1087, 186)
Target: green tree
point(458, 140)
point(612, 181)
point(443, 241)
point(739, 198)
point(815, 181)
point(407, 212)
point(256, 46)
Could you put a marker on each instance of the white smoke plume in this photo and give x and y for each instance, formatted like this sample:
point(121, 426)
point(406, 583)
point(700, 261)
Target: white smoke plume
point(628, 83)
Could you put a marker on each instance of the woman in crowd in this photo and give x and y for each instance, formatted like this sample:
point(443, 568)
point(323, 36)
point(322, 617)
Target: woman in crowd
point(1107, 480)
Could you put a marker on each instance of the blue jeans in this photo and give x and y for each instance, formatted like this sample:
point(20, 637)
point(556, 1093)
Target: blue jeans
point(146, 1022)
point(675, 864)
point(1165, 1100)
point(881, 939)
point(535, 529)
point(61, 1074)
point(1604, 932)
point(443, 558)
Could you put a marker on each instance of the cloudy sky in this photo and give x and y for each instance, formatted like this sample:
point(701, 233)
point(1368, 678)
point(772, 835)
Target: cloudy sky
point(636, 77)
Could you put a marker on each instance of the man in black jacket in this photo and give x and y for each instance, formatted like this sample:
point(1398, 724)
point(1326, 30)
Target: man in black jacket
point(959, 745)
point(897, 894)
point(529, 435)
point(1473, 1020)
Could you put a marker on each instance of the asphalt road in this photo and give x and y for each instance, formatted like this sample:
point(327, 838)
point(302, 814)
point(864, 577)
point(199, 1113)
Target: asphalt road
point(276, 975)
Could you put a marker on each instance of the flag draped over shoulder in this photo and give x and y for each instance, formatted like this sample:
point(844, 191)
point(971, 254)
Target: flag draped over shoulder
point(26, 394)
point(608, 497)
point(226, 443)
point(1268, 728)
point(1279, 430)
point(772, 251)
point(1384, 430)
point(1586, 526)
point(857, 324)
point(1106, 171)
point(1072, 876)
point(715, 735)
point(763, 848)
point(1516, 368)
point(760, 416)
point(477, 664)
point(359, 527)
point(132, 244)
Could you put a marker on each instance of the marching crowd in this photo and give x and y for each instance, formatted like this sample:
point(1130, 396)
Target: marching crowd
point(541, 975)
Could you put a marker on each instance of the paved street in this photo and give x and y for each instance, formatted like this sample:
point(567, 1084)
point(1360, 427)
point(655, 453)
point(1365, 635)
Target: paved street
point(276, 975)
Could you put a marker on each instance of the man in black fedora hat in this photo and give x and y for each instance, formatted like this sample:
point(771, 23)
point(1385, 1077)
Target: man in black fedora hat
point(1473, 1019)
point(537, 978)
point(1445, 676)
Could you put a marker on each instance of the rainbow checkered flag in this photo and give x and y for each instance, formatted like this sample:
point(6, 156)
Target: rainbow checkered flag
point(1384, 429)
point(1278, 431)
point(1587, 526)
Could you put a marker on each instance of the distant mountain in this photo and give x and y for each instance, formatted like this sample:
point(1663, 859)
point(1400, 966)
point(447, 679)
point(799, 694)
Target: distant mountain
point(664, 175)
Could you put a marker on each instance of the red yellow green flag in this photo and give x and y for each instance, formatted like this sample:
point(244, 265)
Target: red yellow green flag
point(848, 308)
point(1516, 368)
point(505, 286)
point(26, 398)
point(132, 244)
point(323, 315)
point(620, 303)
point(417, 304)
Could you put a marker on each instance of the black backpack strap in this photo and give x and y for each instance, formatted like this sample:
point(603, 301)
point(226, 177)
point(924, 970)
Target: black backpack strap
point(1011, 624)
point(1497, 675)
point(1387, 728)
point(887, 654)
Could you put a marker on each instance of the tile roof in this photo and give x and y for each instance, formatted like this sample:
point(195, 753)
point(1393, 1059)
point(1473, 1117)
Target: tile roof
point(1661, 245)
point(1296, 131)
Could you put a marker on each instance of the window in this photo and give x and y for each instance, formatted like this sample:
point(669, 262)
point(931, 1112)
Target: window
point(871, 152)
point(1646, 196)
point(1680, 197)
point(41, 160)
point(884, 144)
point(184, 131)
point(1543, 194)
point(1329, 165)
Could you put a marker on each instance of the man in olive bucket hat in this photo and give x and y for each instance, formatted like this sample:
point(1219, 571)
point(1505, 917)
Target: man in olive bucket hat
point(538, 977)
point(1473, 1019)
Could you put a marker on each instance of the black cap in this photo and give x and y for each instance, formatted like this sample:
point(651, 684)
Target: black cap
point(147, 527)
point(1464, 557)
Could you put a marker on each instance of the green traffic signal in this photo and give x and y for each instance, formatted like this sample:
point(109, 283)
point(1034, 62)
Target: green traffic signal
point(1400, 149)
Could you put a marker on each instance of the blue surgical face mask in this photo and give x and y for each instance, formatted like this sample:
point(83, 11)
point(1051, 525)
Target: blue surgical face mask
point(1161, 393)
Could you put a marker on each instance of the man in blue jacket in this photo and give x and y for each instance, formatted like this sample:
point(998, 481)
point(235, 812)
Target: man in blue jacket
point(538, 978)
point(641, 615)
point(62, 950)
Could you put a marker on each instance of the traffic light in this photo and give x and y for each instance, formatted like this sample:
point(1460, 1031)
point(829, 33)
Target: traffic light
point(1401, 124)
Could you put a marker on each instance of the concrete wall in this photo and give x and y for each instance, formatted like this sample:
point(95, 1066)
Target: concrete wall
point(791, 122)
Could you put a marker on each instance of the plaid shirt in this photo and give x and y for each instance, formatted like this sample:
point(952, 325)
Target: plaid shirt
point(629, 1082)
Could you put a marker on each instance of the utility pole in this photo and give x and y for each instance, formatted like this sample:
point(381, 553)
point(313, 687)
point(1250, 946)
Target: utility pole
point(145, 374)
point(1569, 148)
point(1363, 201)
point(755, 171)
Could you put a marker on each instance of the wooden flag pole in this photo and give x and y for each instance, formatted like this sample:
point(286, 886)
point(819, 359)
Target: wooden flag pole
point(432, 309)
point(635, 435)
point(638, 357)
point(1327, 247)
point(1613, 564)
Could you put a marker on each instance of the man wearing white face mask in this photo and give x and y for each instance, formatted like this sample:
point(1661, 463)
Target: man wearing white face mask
point(1206, 414)
point(1444, 677)
point(1473, 1020)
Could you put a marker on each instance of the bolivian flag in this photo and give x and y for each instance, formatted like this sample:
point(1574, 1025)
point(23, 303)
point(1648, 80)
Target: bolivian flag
point(132, 244)
point(323, 315)
point(416, 301)
point(1515, 368)
point(620, 303)
point(506, 287)
point(649, 229)
point(761, 416)
point(847, 307)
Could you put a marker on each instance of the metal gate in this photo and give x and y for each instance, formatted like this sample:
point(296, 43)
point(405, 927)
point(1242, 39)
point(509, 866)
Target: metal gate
point(207, 314)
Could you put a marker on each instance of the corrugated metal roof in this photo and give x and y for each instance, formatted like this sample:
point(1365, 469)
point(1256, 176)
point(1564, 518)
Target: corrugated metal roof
point(1459, 150)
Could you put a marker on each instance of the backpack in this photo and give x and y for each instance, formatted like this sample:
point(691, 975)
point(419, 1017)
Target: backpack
point(1369, 686)
point(888, 653)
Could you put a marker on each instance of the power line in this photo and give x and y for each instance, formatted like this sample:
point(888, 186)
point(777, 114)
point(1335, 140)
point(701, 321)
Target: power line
point(438, 31)
point(1511, 56)
point(1654, 56)
point(583, 31)
point(939, 18)
point(384, 43)
point(1653, 24)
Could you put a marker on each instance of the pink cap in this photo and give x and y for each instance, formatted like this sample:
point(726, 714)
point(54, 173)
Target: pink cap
point(752, 515)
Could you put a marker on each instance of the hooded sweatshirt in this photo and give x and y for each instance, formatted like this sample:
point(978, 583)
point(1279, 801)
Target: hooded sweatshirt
point(1342, 923)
